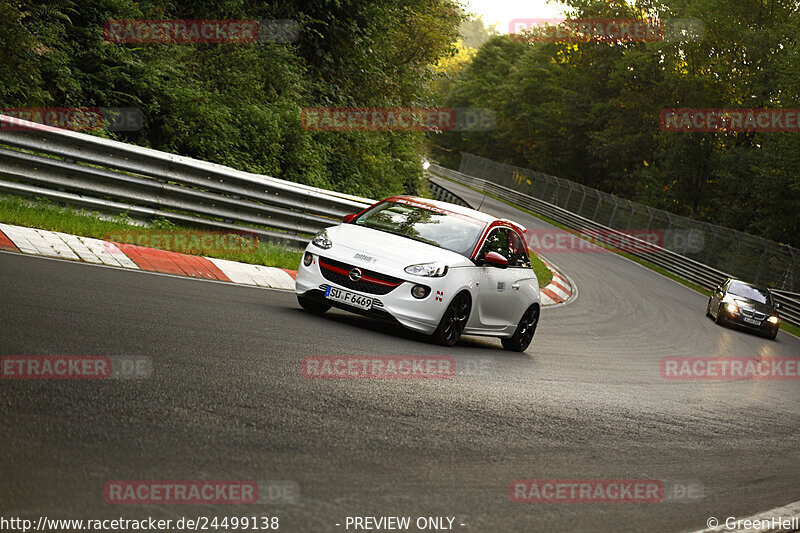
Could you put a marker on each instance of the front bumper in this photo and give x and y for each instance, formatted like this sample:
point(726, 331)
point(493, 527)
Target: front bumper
point(396, 305)
point(739, 320)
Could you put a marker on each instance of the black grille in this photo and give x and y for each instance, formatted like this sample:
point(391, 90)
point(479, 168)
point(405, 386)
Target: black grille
point(361, 285)
point(752, 313)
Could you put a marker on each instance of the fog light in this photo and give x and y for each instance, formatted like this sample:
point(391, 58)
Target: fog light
point(772, 320)
point(307, 259)
point(420, 291)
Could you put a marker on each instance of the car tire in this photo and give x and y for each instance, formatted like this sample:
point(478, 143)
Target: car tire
point(772, 335)
point(312, 306)
point(708, 308)
point(526, 328)
point(718, 319)
point(453, 321)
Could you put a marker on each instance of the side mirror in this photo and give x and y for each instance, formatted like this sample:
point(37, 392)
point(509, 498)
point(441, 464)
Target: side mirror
point(348, 218)
point(496, 260)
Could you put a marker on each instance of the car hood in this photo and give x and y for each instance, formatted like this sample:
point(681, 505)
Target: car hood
point(378, 250)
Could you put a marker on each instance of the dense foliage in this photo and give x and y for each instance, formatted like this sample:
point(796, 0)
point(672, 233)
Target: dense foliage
point(239, 104)
point(590, 111)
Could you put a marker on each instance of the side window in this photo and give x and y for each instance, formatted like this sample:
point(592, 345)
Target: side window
point(497, 241)
point(520, 252)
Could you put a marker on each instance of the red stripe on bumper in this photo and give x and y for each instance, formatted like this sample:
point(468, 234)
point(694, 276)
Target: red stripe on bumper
point(368, 279)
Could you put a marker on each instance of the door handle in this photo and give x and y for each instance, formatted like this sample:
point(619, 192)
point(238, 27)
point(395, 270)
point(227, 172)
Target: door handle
point(515, 286)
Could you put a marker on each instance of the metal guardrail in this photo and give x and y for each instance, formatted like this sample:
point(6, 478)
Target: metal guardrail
point(114, 177)
point(686, 268)
point(440, 193)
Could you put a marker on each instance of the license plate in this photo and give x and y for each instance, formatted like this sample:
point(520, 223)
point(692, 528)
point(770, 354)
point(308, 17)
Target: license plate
point(350, 298)
point(752, 321)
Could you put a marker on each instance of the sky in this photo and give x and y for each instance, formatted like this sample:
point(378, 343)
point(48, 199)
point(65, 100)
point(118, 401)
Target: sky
point(501, 12)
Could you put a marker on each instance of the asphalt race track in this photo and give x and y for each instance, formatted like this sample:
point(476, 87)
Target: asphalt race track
point(226, 401)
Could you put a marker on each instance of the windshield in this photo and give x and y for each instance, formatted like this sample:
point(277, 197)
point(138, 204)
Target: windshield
point(449, 231)
point(747, 291)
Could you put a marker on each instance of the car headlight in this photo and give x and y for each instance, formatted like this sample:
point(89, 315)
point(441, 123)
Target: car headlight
point(429, 270)
point(773, 319)
point(732, 308)
point(321, 240)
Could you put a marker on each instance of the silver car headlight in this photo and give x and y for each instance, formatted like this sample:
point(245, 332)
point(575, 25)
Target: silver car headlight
point(321, 240)
point(429, 270)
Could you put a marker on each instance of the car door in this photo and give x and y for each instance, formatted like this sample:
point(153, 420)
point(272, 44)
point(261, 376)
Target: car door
point(495, 293)
point(523, 279)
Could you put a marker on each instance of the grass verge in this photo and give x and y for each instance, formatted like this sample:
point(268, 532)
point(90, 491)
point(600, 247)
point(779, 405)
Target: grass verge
point(543, 273)
point(48, 216)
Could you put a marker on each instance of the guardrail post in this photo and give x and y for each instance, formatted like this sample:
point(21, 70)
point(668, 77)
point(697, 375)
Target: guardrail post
point(761, 263)
point(583, 199)
point(735, 255)
point(710, 248)
point(597, 207)
point(630, 218)
point(613, 213)
point(669, 227)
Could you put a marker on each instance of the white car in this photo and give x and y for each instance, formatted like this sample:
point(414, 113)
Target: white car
point(433, 267)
